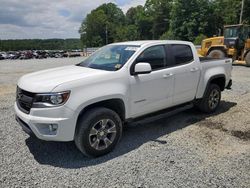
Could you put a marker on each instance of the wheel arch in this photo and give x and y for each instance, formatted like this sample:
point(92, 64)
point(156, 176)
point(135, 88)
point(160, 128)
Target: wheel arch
point(115, 104)
point(219, 79)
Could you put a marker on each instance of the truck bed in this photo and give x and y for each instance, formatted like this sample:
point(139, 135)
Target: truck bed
point(210, 67)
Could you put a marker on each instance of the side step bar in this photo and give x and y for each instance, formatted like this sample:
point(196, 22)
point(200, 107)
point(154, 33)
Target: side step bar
point(160, 114)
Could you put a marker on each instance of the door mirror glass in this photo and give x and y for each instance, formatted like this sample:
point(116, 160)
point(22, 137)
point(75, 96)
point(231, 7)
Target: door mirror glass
point(142, 68)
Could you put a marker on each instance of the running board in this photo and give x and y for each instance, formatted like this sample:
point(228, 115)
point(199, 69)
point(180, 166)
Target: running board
point(161, 114)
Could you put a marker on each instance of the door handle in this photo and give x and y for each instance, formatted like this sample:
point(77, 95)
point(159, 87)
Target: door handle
point(194, 69)
point(168, 75)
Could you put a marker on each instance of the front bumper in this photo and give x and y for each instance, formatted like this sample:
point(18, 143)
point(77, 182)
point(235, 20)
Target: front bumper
point(24, 126)
point(39, 121)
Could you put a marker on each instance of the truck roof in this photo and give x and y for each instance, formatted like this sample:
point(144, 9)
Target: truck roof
point(149, 42)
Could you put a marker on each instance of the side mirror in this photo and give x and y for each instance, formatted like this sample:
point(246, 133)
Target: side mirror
point(142, 68)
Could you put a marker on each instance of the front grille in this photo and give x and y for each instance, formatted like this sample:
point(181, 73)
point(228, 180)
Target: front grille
point(24, 100)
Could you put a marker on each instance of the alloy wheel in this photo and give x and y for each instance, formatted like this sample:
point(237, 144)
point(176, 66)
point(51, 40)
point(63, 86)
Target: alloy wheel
point(214, 99)
point(102, 134)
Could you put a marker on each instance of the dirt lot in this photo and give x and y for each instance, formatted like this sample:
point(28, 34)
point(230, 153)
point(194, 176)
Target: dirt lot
point(189, 149)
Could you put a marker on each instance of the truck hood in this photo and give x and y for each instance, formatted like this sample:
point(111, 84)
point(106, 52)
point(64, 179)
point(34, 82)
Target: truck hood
point(47, 80)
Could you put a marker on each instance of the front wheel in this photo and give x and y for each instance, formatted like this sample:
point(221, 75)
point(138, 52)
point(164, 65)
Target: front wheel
point(98, 131)
point(211, 99)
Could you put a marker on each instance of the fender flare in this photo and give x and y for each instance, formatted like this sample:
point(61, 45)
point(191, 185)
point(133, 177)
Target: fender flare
point(212, 78)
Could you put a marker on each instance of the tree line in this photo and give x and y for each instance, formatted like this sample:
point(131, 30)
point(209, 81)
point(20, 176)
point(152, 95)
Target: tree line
point(40, 44)
point(191, 20)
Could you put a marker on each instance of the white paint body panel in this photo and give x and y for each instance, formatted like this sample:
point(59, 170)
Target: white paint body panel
point(141, 94)
point(150, 92)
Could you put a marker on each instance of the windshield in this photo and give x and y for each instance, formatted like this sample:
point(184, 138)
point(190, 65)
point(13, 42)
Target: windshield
point(110, 58)
point(232, 32)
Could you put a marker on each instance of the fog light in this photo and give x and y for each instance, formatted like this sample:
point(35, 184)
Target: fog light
point(53, 127)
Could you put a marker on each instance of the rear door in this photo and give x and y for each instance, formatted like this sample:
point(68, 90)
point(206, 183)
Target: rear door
point(186, 73)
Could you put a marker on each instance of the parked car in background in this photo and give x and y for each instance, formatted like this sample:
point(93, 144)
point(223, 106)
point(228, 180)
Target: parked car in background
point(1, 57)
point(42, 54)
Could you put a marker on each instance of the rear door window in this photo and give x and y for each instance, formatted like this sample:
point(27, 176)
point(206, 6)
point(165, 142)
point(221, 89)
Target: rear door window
point(182, 54)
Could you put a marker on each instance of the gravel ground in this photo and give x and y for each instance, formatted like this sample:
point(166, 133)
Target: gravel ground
point(189, 149)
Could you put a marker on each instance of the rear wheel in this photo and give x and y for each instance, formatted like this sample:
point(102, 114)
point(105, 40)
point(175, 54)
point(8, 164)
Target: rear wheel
point(247, 59)
point(218, 54)
point(98, 132)
point(211, 100)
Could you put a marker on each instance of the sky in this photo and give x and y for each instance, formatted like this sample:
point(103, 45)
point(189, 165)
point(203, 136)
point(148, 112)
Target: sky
point(29, 19)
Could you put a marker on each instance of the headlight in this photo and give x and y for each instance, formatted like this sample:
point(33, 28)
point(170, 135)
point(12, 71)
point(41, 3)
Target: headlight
point(50, 99)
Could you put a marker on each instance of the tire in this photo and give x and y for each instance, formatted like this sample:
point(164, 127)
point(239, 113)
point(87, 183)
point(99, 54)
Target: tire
point(247, 59)
point(218, 54)
point(211, 100)
point(98, 131)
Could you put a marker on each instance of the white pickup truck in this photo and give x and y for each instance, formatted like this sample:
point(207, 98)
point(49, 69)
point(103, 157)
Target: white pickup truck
point(91, 101)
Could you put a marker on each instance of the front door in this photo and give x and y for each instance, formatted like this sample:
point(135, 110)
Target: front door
point(154, 91)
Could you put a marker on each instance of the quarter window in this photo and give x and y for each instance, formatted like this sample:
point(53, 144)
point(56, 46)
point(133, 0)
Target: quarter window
point(182, 54)
point(155, 56)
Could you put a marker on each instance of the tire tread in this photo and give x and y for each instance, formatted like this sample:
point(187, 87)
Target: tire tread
point(84, 123)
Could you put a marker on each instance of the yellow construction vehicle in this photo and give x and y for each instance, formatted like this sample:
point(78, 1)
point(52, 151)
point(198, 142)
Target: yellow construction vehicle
point(234, 44)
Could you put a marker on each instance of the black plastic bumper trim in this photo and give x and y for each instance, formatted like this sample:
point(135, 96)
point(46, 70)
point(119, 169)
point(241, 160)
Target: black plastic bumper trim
point(24, 126)
point(229, 85)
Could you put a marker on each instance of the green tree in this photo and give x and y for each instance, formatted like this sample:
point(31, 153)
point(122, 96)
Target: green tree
point(142, 20)
point(246, 12)
point(165, 19)
point(168, 36)
point(159, 12)
point(39, 44)
point(127, 33)
point(199, 39)
point(106, 18)
point(190, 18)
point(94, 26)
point(227, 12)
